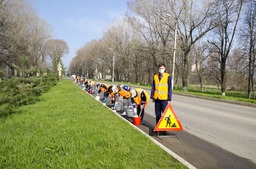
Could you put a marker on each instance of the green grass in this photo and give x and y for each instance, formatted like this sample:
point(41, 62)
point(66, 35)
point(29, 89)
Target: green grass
point(69, 129)
point(231, 95)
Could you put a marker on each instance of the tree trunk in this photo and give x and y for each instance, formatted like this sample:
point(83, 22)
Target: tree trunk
point(252, 80)
point(249, 78)
point(223, 77)
point(185, 72)
point(137, 70)
point(201, 83)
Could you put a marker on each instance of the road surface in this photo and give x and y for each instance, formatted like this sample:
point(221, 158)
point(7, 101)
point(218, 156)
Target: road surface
point(229, 126)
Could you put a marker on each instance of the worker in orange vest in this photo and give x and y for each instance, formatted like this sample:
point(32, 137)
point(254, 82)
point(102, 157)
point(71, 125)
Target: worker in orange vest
point(124, 91)
point(103, 88)
point(90, 85)
point(161, 92)
point(139, 98)
point(112, 92)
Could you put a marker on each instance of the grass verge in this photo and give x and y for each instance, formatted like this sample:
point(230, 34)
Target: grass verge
point(69, 129)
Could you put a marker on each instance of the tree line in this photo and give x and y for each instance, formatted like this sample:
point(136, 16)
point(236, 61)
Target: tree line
point(214, 45)
point(29, 56)
point(25, 41)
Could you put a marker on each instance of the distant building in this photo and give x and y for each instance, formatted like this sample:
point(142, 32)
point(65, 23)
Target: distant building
point(193, 67)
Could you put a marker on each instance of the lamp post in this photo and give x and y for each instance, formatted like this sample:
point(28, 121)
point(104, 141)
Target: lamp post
point(174, 50)
point(113, 67)
point(113, 71)
point(174, 53)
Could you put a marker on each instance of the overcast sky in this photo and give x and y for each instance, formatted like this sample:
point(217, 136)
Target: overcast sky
point(79, 21)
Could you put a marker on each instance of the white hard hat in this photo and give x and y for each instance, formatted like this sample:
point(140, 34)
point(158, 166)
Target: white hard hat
point(133, 92)
point(115, 89)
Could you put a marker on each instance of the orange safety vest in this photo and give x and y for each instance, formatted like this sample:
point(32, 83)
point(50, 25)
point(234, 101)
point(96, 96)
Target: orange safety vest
point(124, 93)
point(104, 88)
point(137, 99)
point(92, 83)
point(161, 87)
point(112, 96)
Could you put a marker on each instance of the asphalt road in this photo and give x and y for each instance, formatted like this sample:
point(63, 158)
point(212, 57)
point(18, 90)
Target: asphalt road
point(229, 126)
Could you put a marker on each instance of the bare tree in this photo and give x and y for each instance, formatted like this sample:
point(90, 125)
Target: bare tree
point(194, 20)
point(236, 66)
point(118, 39)
point(90, 60)
point(39, 35)
point(22, 32)
point(248, 36)
point(212, 70)
point(224, 34)
point(15, 16)
point(201, 55)
point(148, 18)
point(156, 21)
point(55, 50)
point(98, 58)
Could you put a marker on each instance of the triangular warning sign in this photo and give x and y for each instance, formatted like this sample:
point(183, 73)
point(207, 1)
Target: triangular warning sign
point(168, 121)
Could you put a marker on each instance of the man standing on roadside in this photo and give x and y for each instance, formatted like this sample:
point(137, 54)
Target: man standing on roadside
point(161, 91)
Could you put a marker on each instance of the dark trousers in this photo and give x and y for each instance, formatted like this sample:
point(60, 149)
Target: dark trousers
point(105, 95)
point(159, 108)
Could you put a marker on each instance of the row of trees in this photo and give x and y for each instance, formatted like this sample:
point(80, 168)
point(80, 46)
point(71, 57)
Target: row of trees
point(28, 56)
point(25, 41)
point(216, 41)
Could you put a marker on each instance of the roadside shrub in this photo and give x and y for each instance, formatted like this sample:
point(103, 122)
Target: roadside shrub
point(49, 79)
point(17, 91)
point(6, 109)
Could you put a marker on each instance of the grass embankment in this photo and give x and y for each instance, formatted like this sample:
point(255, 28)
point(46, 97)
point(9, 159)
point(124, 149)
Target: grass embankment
point(69, 129)
point(237, 96)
